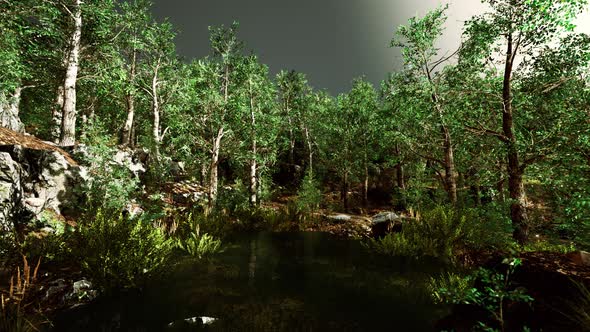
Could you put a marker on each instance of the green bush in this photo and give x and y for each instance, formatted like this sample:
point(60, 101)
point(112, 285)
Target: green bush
point(439, 233)
point(442, 233)
point(118, 252)
point(451, 288)
point(394, 244)
point(309, 195)
point(112, 185)
point(200, 246)
point(489, 227)
point(494, 291)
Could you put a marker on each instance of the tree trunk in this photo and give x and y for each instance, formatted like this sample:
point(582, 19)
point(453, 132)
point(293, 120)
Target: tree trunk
point(57, 114)
point(9, 112)
point(450, 178)
point(291, 145)
point(309, 150)
point(213, 168)
point(156, 131)
point(68, 121)
point(344, 192)
point(366, 181)
point(399, 170)
point(130, 100)
point(253, 165)
point(518, 212)
point(500, 189)
point(449, 161)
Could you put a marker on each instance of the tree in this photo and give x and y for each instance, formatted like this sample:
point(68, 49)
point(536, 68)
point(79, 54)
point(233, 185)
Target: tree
point(71, 64)
point(363, 105)
point(521, 28)
point(136, 20)
point(158, 74)
point(260, 133)
point(293, 92)
point(417, 41)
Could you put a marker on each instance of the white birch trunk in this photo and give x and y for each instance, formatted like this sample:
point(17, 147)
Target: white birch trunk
point(68, 124)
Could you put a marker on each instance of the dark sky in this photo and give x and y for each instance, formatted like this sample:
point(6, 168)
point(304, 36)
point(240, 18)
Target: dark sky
point(332, 41)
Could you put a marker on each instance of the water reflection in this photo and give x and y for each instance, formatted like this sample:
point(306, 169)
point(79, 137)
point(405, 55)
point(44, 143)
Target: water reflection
point(275, 282)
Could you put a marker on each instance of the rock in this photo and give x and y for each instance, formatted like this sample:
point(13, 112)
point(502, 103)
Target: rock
point(186, 192)
point(47, 230)
point(384, 223)
point(82, 285)
point(35, 205)
point(385, 217)
point(339, 218)
point(10, 191)
point(127, 159)
point(177, 169)
point(133, 210)
point(81, 290)
point(192, 322)
point(35, 176)
point(57, 287)
point(580, 258)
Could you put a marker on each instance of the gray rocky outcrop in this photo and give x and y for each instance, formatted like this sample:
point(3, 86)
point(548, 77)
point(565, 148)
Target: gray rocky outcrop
point(35, 176)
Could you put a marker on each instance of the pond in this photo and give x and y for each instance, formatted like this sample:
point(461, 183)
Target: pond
point(275, 282)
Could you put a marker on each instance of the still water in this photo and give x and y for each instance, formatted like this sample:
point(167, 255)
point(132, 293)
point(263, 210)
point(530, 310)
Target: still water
point(275, 282)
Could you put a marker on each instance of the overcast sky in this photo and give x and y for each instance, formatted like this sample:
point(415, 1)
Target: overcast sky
point(332, 41)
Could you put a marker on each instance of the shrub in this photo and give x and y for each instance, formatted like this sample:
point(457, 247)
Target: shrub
point(309, 195)
point(451, 288)
point(439, 233)
point(112, 184)
point(443, 233)
point(394, 244)
point(200, 246)
point(118, 252)
point(494, 290)
point(489, 227)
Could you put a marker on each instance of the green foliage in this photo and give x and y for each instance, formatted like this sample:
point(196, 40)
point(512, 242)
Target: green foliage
point(489, 227)
point(309, 196)
point(545, 245)
point(8, 247)
point(118, 253)
point(51, 248)
point(200, 245)
point(396, 244)
point(444, 233)
point(451, 288)
point(112, 185)
point(495, 291)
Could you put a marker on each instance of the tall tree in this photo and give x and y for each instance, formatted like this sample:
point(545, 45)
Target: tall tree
point(421, 58)
point(135, 20)
point(259, 135)
point(521, 28)
point(363, 105)
point(227, 51)
point(158, 74)
point(293, 94)
point(72, 66)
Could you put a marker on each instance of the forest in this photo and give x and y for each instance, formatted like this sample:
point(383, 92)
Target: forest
point(454, 196)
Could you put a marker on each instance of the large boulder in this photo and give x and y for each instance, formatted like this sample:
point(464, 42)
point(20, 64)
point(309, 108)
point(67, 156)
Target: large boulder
point(384, 223)
point(10, 191)
point(35, 176)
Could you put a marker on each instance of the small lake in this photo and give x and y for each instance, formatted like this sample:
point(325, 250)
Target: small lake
point(276, 282)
